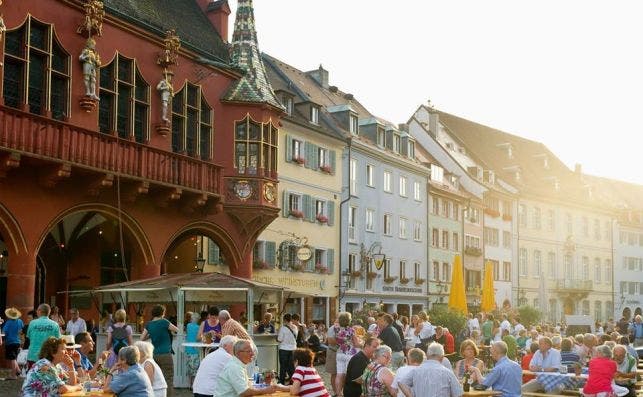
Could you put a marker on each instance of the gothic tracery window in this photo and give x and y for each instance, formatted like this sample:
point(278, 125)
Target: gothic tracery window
point(191, 123)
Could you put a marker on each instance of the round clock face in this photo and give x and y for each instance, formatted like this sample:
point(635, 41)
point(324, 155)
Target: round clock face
point(243, 190)
point(269, 192)
point(304, 253)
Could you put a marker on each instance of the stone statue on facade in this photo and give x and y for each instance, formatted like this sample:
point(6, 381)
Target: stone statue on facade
point(167, 92)
point(91, 62)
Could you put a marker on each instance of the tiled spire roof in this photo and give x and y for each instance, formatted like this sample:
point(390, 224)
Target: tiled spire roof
point(253, 86)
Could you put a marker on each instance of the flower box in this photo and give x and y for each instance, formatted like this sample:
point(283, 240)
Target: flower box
point(355, 273)
point(419, 281)
point(473, 251)
point(261, 265)
point(322, 218)
point(371, 274)
point(326, 169)
point(492, 213)
point(389, 280)
point(297, 214)
point(321, 268)
point(297, 268)
point(299, 160)
point(507, 217)
point(404, 280)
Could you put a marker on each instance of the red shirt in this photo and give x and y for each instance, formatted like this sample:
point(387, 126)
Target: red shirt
point(601, 373)
point(525, 365)
point(449, 343)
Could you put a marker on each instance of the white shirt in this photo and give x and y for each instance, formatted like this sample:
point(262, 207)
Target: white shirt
point(158, 384)
point(474, 324)
point(209, 370)
point(372, 328)
point(75, 328)
point(505, 325)
point(519, 327)
point(411, 338)
point(287, 337)
point(427, 330)
point(400, 374)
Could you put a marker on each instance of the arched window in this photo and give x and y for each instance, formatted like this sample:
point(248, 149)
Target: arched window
point(255, 146)
point(36, 70)
point(124, 100)
point(191, 123)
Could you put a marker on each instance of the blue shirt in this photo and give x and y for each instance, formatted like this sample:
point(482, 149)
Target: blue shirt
point(132, 383)
point(160, 335)
point(12, 330)
point(551, 360)
point(39, 330)
point(505, 377)
point(84, 362)
point(192, 329)
point(638, 330)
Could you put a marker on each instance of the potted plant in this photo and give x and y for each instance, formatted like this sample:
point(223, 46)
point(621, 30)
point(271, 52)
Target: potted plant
point(404, 280)
point(299, 160)
point(321, 268)
point(506, 217)
point(419, 281)
point(259, 264)
point(473, 251)
point(356, 273)
point(326, 169)
point(297, 214)
point(371, 274)
point(298, 267)
point(492, 213)
point(389, 279)
point(321, 218)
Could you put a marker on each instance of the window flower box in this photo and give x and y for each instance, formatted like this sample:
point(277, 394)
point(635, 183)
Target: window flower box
point(297, 214)
point(371, 274)
point(419, 281)
point(261, 265)
point(326, 169)
point(297, 268)
point(389, 280)
point(299, 160)
point(321, 218)
point(473, 251)
point(356, 273)
point(507, 217)
point(320, 268)
point(404, 280)
point(492, 213)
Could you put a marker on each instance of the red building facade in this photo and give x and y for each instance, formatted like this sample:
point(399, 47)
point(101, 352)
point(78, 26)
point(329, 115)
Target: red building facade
point(98, 191)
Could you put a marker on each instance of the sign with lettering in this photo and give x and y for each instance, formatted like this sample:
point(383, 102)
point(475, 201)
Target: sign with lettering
point(397, 288)
point(307, 283)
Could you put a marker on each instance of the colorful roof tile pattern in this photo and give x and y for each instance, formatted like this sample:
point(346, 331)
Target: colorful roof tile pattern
point(253, 86)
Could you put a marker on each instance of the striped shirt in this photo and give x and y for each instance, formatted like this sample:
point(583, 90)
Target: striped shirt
point(232, 327)
point(311, 382)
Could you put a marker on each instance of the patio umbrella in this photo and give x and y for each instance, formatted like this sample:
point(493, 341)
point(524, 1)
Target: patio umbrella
point(488, 301)
point(457, 297)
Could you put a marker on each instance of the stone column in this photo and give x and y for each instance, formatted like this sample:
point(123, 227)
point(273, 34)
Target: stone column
point(21, 282)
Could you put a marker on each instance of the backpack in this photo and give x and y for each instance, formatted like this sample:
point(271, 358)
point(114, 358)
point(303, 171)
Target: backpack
point(120, 338)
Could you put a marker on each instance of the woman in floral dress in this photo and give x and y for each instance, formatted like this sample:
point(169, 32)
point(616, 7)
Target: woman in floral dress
point(348, 344)
point(47, 378)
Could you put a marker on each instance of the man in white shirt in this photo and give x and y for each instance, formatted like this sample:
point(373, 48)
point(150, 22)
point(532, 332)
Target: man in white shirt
point(431, 379)
point(473, 323)
point(372, 326)
point(75, 325)
point(517, 327)
point(211, 366)
point(505, 325)
point(415, 357)
point(287, 338)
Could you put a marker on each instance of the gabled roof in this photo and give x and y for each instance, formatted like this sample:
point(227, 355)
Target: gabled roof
point(191, 24)
point(488, 146)
point(253, 86)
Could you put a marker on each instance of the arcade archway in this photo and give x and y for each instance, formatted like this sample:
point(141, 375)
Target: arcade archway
point(195, 251)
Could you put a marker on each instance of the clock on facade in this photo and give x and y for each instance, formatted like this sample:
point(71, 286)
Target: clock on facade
point(304, 253)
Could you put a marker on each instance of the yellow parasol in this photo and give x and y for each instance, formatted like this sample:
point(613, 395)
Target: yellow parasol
point(488, 301)
point(457, 297)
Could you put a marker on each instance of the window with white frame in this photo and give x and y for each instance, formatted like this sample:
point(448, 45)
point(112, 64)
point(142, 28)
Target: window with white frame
point(354, 125)
point(522, 262)
point(437, 173)
point(370, 220)
point(402, 227)
point(568, 266)
point(507, 208)
point(286, 101)
point(506, 267)
point(402, 269)
point(491, 236)
point(522, 215)
point(370, 175)
point(551, 265)
point(446, 208)
point(295, 202)
point(446, 272)
point(411, 150)
point(387, 181)
point(353, 176)
point(456, 241)
point(314, 114)
point(608, 271)
point(607, 231)
point(417, 194)
point(387, 268)
point(387, 224)
point(435, 274)
point(473, 215)
point(585, 226)
point(445, 239)
point(352, 267)
point(496, 270)
point(297, 150)
point(417, 271)
point(322, 155)
point(597, 229)
point(570, 223)
point(352, 222)
point(506, 239)
point(396, 143)
point(381, 137)
point(551, 220)
point(435, 238)
point(403, 186)
point(597, 270)
point(598, 310)
point(536, 218)
point(585, 307)
point(537, 263)
point(471, 241)
point(320, 209)
point(435, 205)
point(585, 268)
point(417, 231)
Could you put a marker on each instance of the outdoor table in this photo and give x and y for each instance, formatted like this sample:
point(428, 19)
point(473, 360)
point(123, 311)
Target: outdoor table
point(553, 381)
point(80, 393)
point(201, 346)
point(482, 393)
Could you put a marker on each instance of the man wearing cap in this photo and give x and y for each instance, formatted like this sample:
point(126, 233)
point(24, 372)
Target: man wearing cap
point(39, 330)
point(76, 324)
point(11, 329)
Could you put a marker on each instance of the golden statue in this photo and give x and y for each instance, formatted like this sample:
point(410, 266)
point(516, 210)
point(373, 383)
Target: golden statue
point(170, 55)
point(94, 14)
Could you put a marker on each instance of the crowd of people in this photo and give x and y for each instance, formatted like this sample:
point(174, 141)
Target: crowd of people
point(387, 355)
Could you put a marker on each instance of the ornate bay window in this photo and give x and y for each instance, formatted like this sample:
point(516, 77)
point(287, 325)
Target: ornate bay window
point(36, 70)
point(255, 147)
point(191, 123)
point(124, 100)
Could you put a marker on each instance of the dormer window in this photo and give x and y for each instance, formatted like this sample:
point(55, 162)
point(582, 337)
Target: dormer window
point(286, 101)
point(353, 124)
point(546, 163)
point(437, 173)
point(510, 152)
point(508, 148)
point(411, 149)
point(396, 143)
point(314, 114)
point(381, 137)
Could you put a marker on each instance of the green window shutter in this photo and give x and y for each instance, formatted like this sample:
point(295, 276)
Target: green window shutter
point(330, 260)
point(285, 204)
point(314, 156)
point(306, 206)
point(270, 253)
point(288, 148)
point(307, 156)
point(310, 264)
point(332, 161)
point(331, 212)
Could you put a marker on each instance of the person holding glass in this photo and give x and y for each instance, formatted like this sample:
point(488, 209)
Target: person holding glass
point(469, 351)
point(47, 377)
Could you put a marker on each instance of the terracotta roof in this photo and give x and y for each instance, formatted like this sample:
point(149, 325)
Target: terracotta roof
point(622, 195)
point(253, 86)
point(191, 24)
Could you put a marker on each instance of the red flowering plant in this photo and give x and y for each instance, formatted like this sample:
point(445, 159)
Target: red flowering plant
point(297, 213)
point(299, 160)
point(321, 218)
point(321, 268)
point(326, 169)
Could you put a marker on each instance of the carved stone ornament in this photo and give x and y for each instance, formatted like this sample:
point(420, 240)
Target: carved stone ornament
point(91, 62)
point(170, 54)
point(93, 22)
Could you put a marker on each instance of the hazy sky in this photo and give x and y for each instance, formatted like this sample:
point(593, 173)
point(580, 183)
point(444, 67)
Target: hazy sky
point(566, 73)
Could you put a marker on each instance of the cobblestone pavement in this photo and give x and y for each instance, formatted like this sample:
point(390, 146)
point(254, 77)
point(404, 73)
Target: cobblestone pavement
point(11, 388)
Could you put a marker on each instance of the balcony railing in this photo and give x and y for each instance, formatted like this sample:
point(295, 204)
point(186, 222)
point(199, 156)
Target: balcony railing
point(44, 138)
point(574, 285)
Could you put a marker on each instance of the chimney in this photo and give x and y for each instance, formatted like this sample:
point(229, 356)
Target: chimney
point(577, 169)
point(403, 127)
point(320, 76)
point(217, 12)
